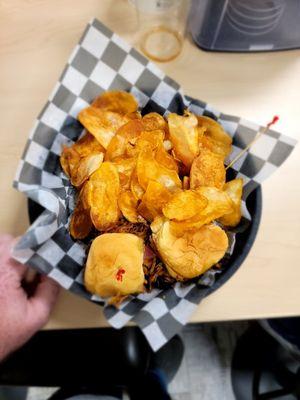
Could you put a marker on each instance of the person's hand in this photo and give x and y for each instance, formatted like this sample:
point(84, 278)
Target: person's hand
point(21, 313)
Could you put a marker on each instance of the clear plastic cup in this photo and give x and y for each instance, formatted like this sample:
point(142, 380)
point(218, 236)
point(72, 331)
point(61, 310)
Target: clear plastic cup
point(162, 26)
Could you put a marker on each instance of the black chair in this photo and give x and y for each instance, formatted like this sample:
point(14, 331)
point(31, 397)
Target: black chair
point(263, 368)
point(93, 361)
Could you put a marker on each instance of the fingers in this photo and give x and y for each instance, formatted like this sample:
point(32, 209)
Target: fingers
point(42, 302)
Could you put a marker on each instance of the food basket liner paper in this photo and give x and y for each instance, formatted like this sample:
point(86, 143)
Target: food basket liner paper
point(103, 61)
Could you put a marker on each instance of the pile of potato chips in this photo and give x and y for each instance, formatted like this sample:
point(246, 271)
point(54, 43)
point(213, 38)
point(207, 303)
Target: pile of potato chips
point(147, 168)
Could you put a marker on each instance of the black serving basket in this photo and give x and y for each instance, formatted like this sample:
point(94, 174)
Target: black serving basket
point(244, 240)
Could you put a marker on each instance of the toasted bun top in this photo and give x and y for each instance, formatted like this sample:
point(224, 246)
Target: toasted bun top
point(115, 265)
point(192, 253)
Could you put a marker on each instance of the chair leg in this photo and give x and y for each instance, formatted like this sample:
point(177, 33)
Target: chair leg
point(163, 367)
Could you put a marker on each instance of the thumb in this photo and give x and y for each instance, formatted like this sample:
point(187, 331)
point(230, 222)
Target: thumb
point(41, 303)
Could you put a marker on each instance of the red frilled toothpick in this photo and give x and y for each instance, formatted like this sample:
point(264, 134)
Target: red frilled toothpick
point(259, 133)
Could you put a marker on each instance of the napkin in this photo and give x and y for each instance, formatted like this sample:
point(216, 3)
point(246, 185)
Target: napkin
point(103, 61)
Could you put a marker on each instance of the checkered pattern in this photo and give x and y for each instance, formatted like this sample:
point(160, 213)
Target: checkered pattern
point(103, 61)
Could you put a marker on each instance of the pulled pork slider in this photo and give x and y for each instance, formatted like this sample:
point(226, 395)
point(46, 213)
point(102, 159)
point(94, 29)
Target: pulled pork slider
point(115, 265)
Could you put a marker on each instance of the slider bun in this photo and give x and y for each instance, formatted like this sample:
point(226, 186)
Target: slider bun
point(193, 253)
point(115, 265)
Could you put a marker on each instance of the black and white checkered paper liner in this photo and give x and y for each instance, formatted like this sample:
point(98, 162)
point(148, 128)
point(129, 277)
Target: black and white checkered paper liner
point(103, 61)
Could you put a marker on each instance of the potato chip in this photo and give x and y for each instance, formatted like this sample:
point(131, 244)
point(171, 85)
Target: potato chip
point(185, 183)
point(234, 189)
point(131, 130)
point(135, 187)
point(165, 159)
point(219, 141)
point(102, 124)
point(118, 101)
point(154, 121)
point(184, 136)
point(150, 139)
point(218, 204)
point(88, 144)
point(155, 197)
point(184, 205)
point(205, 142)
point(149, 169)
point(144, 212)
point(69, 160)
point(134, 115)
point(126, 136)
point(201, 131)
point(104, 189)
point(157, 223)
point(85, 195)
point(193, 253)
point(80, 224)
point(207, 170)
point(125, 167)
point(86, 166)
point(71, 156)
point(168, 145)
point(128, 206)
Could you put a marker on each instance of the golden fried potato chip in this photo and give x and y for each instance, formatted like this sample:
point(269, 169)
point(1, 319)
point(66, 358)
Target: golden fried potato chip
point(85, 195)
point(168, 145)
point(102, 124)
point(150, 139)
point(71, 156)
point(157, 223)
point(125, 167)
point(126, 136)
point(118, 101)
point(134, 115)
point(218, 204)
point(135, 187)
point(234, 189)
point(185, 183)
point(184, 205)
point(154, 121)
point(193, 253)
point(219, 141)
point(207, 170)
point(155, 197)
point(205, 142)
point(128, 206)
point(149, 169)
point(104, 186)
point(80, 224)
point(86, 166)
point(184, 136)
point(69, 160)
point(88, 144)
point(144, 212)
point(165, 159)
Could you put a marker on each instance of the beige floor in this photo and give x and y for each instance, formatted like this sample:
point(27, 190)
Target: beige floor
point(205, 371)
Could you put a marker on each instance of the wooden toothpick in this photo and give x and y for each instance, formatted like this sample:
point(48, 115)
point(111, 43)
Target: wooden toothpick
point(258, 135)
